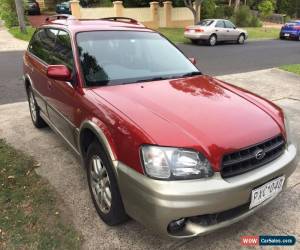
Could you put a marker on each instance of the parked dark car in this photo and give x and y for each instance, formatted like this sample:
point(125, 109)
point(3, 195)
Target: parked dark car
point(291, 30)
point(32, 7)
point(63, 8)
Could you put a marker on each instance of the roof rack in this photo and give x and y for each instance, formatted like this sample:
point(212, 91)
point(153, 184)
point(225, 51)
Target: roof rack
point(59, 17)
point(121, 19)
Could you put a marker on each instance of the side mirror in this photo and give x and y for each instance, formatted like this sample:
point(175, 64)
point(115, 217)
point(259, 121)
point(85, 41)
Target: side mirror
point(193, 60)
point(59, 72)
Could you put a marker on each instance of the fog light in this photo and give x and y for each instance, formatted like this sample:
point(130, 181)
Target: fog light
point(176, 225)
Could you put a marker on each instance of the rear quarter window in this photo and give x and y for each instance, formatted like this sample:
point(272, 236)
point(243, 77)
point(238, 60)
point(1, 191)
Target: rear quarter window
point(42, 44)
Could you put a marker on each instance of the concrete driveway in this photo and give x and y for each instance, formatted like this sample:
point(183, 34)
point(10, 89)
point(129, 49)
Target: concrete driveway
point(61, 168)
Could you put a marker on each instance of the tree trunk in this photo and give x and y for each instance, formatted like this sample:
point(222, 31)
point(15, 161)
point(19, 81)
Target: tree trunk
point(229, 3)
point(194, 7)
point(20, 13)
point(237, 4)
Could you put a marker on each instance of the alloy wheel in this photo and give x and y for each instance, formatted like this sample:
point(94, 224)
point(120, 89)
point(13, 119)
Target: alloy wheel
point(241, 39)
point(212, 40)
point(32, 106)
point(100, 184)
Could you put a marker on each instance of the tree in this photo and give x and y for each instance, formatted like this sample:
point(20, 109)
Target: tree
point(8, 13)
point(20, 13)
point(194, 7)
point(237, 4)
point(289, 7)
point(266, 8)
point(208, 9)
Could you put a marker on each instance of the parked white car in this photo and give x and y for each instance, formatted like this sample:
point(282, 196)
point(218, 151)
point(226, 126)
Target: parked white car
point(215, 30)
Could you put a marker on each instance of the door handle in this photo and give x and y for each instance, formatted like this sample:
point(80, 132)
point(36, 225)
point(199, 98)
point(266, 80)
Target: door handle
point(49, 84)
point(227, 30)
point(217, 30)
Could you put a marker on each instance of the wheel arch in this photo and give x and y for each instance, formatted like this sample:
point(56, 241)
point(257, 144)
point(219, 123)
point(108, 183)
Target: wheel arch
point(27, 82)
point(90, 131)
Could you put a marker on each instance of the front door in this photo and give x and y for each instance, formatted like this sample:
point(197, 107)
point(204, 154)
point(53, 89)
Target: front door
point(63, 100)
point(232, 32)
point(220, 30)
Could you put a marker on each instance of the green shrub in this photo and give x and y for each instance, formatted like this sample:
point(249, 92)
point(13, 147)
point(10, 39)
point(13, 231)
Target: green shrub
point(255, 22)
point(219, 12)
point(224, 11)
point(8, 13)
point(266, 8)
point(228, 11)
point(208, 9)
point(243, 17)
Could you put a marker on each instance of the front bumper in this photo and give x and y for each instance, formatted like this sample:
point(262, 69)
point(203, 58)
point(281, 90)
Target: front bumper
point(156, 203)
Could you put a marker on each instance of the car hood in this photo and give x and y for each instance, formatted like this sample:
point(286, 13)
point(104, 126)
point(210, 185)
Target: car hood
point(197, 112)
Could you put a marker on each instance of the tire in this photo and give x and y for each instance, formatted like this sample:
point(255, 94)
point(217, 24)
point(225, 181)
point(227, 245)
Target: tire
point(241, 39)
point(212, 40)
point(37, 120)
point(194, 41)
point(103, 186)
point(281, 38)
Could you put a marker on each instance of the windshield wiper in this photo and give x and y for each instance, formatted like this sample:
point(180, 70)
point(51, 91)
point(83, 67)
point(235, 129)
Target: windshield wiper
point(152, 79)
point(194, 73)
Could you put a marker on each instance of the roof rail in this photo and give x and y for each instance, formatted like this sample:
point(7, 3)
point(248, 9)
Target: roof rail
point(59, 17)
point(121, 19)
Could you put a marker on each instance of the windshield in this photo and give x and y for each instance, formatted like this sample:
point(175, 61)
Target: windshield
point(205, 22)
point(120, 57)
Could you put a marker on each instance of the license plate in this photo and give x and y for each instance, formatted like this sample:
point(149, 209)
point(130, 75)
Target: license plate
point(266, 191)
point(192, 31)
point(287, 35)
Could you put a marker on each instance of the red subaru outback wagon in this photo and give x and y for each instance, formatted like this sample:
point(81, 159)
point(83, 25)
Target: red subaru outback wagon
point(178, 151)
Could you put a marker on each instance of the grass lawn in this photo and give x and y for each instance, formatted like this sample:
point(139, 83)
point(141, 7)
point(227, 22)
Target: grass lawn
point(15, 31)
point(293, 68)
point(31, 214)
point(263, 33)
point(176, 34)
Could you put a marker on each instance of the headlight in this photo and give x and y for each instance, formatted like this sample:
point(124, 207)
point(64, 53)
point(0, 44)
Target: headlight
point(174, 163)
point(287, 129)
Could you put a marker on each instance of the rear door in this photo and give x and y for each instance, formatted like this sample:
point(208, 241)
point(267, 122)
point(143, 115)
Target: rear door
point(63, 99)
point(232, 33)
point(38, 58)
point(220, 30)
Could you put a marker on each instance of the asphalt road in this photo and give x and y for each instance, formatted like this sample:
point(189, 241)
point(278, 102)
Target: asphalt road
point(219, 60)
point(11, 84)
point(232, 58)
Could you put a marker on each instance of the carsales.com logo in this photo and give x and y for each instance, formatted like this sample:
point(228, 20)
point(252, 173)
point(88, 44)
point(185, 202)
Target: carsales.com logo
point(268, 240)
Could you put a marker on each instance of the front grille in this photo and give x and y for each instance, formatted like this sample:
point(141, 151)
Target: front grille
point(247, 159)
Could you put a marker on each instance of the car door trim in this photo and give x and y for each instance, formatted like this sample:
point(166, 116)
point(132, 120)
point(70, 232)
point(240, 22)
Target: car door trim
point(47, 119)
point(56, 130)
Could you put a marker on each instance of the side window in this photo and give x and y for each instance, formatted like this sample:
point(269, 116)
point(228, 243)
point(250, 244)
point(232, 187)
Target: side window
point(229, 25)
point(62, 53)
point(43, 43)
point(220, 24)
